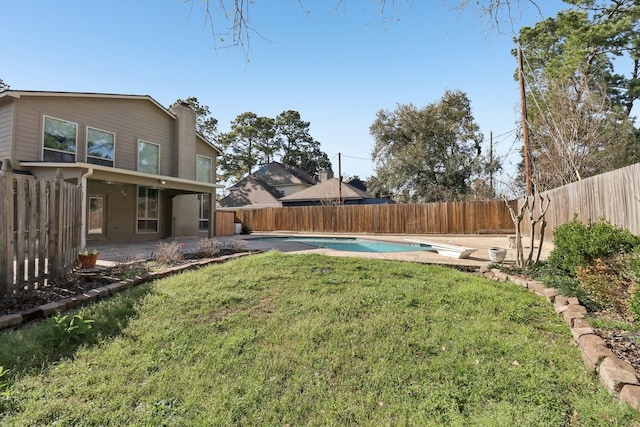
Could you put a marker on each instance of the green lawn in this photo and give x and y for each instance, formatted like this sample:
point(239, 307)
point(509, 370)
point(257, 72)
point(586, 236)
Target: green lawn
point(277, 339)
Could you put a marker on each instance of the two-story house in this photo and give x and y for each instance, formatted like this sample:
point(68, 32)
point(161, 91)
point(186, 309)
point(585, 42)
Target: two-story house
point(145, 172)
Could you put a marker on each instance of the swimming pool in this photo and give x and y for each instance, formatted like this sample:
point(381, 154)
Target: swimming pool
point(352, 244)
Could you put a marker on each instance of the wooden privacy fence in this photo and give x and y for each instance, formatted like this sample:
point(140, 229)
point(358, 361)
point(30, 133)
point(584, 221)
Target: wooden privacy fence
point(429, 218)
point(40, 226)
point(224, 223)
point(614, 196)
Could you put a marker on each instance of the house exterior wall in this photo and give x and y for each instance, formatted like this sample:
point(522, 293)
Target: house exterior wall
point(6, 131)
point(130, 119)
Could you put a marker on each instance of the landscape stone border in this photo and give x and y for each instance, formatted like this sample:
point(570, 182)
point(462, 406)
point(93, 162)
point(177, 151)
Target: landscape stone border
point(620, 378)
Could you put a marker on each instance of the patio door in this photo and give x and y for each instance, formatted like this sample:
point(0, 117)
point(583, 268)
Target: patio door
point(96, 217)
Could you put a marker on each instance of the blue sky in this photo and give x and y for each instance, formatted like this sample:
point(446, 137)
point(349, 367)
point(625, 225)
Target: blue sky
point(336, 68)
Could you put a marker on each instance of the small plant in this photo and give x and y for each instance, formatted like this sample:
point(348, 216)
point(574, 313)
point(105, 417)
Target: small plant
point(88, 252)
point(209, 247)
point(5, 395)
point(66, 329)
point(170, 253)
point(236, 245)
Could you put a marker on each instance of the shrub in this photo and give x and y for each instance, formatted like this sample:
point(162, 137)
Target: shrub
point(634, 304)
point(632, 271)
point(237, 245)
point(169, 253)
point(209, 247)
point(569, 241)
point(576, 244)
point(605, 284)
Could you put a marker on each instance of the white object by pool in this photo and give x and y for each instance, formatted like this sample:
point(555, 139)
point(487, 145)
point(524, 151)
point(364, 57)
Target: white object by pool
point(452, 251)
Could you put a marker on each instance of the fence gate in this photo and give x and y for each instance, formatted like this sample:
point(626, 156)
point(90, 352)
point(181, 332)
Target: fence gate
point(40, 226)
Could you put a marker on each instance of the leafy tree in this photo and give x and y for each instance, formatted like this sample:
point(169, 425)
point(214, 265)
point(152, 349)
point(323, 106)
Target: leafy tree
point(579, 96)
point(250, 142)
point(206, 125)
point(299, 149)
point(428, 154)
point(589, 39)
point(3, 85)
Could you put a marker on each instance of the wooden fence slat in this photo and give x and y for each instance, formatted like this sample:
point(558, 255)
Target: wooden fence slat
point(21, 231)
point(6, 229)
point(32, 229)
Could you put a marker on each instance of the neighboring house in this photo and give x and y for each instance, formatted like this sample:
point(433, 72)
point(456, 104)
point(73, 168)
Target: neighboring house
point(266, 186)
point(144, 170)
point(331, 192)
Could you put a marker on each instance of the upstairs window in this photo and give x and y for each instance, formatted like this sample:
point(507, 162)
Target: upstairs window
point(59, 140)
point(148, 157)
point(203, 168)
point(100, 147)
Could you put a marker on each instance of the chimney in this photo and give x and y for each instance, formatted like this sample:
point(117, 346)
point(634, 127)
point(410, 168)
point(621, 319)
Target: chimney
point(184, 150)
point(325, 175)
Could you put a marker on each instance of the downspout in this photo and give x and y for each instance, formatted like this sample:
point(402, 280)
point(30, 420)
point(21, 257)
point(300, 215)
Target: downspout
point(83, 227)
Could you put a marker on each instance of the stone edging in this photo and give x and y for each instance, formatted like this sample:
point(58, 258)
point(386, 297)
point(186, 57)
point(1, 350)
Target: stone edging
point(617, 375)
point(50, 309)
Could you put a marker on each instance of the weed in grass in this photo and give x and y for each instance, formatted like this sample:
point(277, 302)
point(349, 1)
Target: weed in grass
point(67, 329)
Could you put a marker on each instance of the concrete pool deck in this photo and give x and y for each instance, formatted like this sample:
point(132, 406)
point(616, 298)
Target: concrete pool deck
point(111, 252)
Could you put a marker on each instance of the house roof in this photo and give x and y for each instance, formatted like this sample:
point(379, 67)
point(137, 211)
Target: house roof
point(251, 192)
point(330, 189)
point(17, 94)
point(279, 175)
point(261, 188)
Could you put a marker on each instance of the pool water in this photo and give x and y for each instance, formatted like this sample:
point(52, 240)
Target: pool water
point(353, 244)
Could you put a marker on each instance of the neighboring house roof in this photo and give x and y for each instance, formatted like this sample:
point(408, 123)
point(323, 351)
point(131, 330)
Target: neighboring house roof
point(16, 94)
point(261, 188)
point(279, 175)
point(328, 190)
point(251, 192)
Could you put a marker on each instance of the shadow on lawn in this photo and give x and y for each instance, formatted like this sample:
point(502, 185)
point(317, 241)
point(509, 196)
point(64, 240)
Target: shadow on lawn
point(31, 348)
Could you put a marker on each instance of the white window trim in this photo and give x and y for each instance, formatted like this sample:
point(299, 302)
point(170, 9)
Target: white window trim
point(138, 154)
point(210, 166)
point(44, 118)
point(138, 218)
point(101, 158)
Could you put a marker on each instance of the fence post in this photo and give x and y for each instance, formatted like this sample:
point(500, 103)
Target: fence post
point(55, 236)
point(6, 228)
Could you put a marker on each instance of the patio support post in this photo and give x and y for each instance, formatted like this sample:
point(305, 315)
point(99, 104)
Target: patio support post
point(83, 215)
point(212, 214)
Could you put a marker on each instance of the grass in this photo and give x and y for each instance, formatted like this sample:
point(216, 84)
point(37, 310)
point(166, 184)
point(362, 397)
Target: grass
point(277, 339)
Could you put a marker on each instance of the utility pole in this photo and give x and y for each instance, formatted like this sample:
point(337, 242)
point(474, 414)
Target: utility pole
point(491, 161)
point(339, 179)
point(525, 123)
